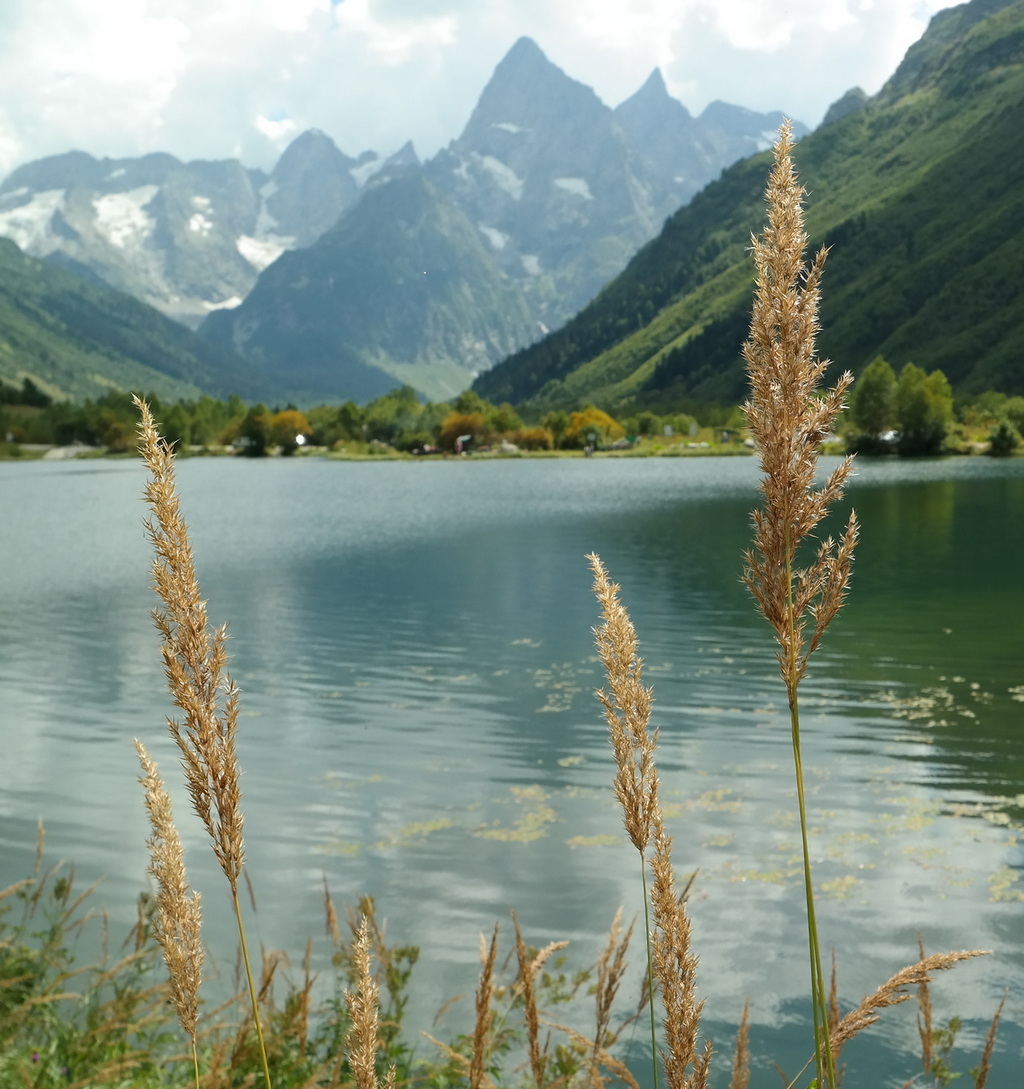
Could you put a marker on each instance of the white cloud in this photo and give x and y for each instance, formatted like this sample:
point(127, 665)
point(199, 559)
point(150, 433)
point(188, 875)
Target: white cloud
point(219, 78)
point(396, 41)
point(278, 130)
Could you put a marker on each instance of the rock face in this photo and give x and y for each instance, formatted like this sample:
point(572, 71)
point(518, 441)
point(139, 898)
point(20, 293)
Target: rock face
point(511, 229)
point(397, 292)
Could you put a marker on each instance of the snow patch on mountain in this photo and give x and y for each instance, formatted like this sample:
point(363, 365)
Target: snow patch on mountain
point(577, 186)
point(507, 126)
point(505, 177)
point(498, 239)
point(365, 170)
point(531, 264)
point(29, 224)
point(121, 217)
point(263, 251)
point(226, 304)
point(200, 223)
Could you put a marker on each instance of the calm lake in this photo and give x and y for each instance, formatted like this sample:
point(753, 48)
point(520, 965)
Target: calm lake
point(413, 645)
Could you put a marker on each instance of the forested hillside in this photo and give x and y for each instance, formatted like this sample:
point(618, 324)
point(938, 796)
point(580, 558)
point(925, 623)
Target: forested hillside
point(77, 338)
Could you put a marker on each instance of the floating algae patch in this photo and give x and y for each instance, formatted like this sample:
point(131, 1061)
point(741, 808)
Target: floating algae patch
point(841, 846)
point(606, 840)
point(839, 888)
point(925, 857)
point(918, 814)
point(1004, 885)
point(412, 834)
point(721, 800)
point(780, 875)
point(532, 822)
point(409, 835)
point(340, 847)
point(560, 685)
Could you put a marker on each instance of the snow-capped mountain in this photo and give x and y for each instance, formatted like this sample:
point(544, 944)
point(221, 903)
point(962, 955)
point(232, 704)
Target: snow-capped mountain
point(187, 238)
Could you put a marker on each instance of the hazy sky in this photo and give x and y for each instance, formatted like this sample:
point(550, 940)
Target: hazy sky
point(240, 78)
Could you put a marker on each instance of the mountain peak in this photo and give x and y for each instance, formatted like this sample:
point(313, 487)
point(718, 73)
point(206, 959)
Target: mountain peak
point(653, 87)
point(527, 89)
point(651, 106)
point(525, 51)
point(309, 148)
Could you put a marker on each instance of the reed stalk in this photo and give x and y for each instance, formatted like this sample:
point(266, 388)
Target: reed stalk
point(788, 419)
point(195, 658)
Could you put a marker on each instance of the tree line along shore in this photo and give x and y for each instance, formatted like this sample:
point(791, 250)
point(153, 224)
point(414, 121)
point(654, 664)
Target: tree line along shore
point(910, 413)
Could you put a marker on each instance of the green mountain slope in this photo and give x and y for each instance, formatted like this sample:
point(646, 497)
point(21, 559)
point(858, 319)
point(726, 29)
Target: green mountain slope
point(920, 194)
point(76, 338)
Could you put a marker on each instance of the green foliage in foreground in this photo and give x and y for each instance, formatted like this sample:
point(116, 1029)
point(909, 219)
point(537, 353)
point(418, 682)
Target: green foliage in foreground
point(65, 1024)
point(111, 1024)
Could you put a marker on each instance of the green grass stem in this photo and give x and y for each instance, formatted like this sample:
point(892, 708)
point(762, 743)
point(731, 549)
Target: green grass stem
point(252, 987)
point(650, 970)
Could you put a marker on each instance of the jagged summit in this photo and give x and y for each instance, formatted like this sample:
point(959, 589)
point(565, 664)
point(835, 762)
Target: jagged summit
point(649, 108)
point(310, 186)
point(653, 91)
point(528, 91)
point(917, 271)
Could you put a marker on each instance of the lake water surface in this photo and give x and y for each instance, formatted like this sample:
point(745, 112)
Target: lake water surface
point(413, 645)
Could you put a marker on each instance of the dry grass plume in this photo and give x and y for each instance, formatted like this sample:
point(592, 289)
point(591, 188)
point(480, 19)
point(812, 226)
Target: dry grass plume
point(788, 419)
point(195, 657)
point(673, 964)
point(177, 922)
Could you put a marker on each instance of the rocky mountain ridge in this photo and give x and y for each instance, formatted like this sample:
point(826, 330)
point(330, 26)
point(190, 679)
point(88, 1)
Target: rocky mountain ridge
point(559, 190)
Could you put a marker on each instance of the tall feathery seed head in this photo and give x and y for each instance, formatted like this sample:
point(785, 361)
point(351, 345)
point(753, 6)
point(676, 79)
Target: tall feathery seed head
point(177, 923)
point(788, 418)
point(627, 710)
point(195, 658)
